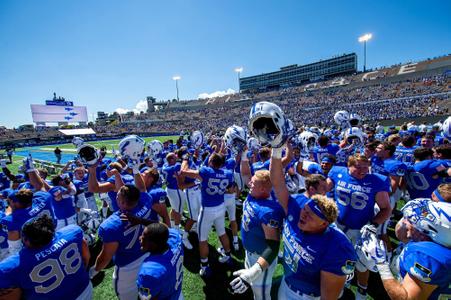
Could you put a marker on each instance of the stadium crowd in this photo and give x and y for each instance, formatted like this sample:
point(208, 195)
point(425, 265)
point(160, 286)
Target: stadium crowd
point(349, 203)
point(419, 96)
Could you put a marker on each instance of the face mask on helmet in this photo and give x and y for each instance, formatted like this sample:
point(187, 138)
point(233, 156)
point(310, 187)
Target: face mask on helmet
point(267, 122)
point(155, 148)
point(88, 154)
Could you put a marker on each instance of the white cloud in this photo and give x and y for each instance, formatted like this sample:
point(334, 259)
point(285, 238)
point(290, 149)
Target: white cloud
point(216, 94)
point(139, 107)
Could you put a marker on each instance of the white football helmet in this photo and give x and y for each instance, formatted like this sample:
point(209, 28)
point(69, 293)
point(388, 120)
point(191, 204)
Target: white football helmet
point(197, 139)
point(308, 140)
point(77, 141)
point(268, 124)
point(354, 119)
point(341, 117)
point(380, 129)
point(353, 133)
point(370, 251)
point(155, 148)
point(235, 138)
point(446, 128)
point(413, 129)
point(431, 218)
point(315, 130)
point(132, 147)
point(422, 128)
point(253, 144)
point(88, 154)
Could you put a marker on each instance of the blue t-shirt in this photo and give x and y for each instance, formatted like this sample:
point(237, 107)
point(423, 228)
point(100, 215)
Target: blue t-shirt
point(306, 255)
point(42, 204)
point(127, 236)
point(258, 212)
point(161, 275)
point(169, 175)
point(428, 262)
point(214, 185)
point(55, 271)
point(319, 152)
point(422, 179)
point(356, 198)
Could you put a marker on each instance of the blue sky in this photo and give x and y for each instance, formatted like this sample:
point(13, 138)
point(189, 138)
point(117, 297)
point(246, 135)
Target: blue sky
point(112, 54)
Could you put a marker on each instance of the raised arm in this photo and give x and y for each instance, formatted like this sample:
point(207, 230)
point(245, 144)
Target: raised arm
point(94, 186)
point(278, 178)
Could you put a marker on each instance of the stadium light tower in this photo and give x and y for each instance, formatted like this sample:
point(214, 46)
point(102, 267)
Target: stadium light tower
point(176, 78)
point(239, 70)
point(363, 39)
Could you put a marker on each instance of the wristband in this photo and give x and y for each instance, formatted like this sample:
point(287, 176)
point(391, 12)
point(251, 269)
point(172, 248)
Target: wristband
point(384, 271)
point(244, 156)
point(276, 153)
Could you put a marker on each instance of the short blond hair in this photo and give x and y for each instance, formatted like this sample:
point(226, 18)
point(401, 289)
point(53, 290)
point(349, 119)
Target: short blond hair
point(353, 159)
point(327, 206)
point(393, 137)
point(263, 176)
point(445, 191)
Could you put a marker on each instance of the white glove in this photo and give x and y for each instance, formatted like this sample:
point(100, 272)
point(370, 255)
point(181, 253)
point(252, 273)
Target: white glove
point(28, 164)
point(134, 165)
point(368, 230)
point(93, 272)
point(277, 153)
point(246, 276)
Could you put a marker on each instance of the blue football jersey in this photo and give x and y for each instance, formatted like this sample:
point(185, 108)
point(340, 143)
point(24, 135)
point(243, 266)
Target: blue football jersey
point(356, 198)
point(42, 204)
point(127, 236)
point(405, 155)
point(260, 165)
point(127, 179)
point(319, 152)
point(169, 175)
point(4, 181)
point(55, 271)
point(63, 205)
point(156, 195)
point(3, 232)
point(161, 275)
point(422, 179)
point(430, 263)
point(258, 212)
point(388, 167)
point(306, 255)
point(82, 186)
point(214, 185)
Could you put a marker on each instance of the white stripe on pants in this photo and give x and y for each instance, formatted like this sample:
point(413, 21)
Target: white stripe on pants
point(124, 279)
point(261, 287)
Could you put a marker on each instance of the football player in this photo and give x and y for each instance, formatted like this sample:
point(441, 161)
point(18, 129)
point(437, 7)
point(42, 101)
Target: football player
point(423, 267)
point(161, 274)
point(261, 225)
point(215, 180)
point(311, 269)
point(356, 193)
point(52, 265)
point(120, 241)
